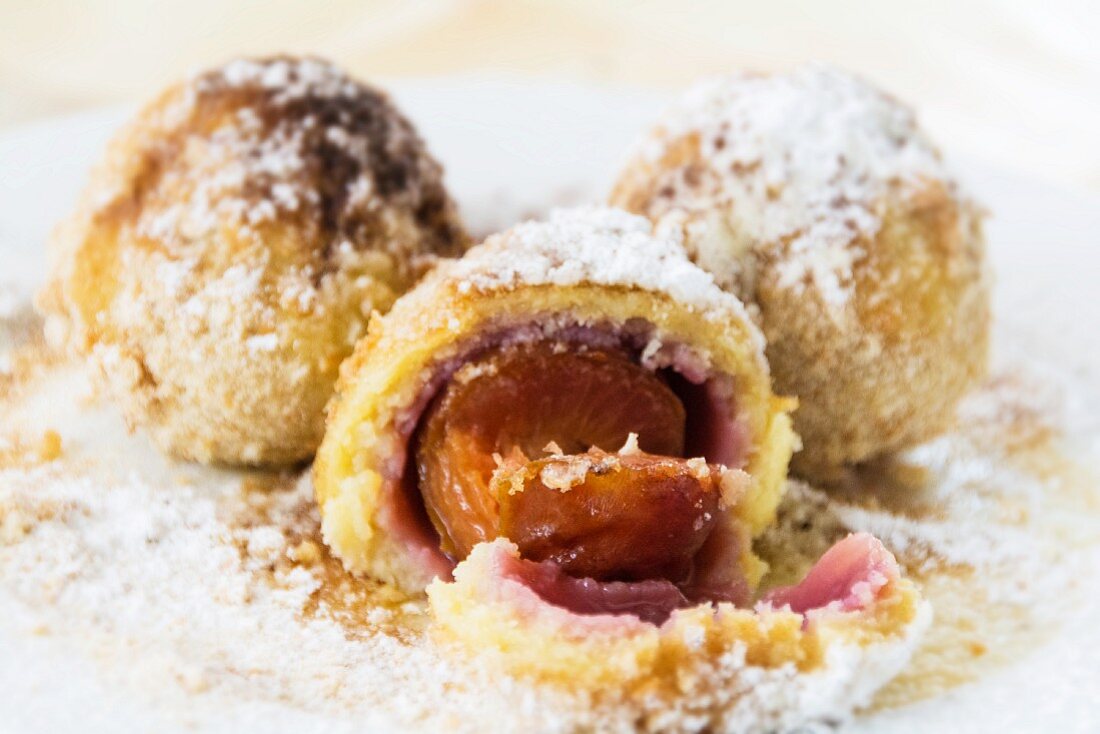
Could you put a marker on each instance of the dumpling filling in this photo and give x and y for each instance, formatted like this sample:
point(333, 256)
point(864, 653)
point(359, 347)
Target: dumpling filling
point(576, 453)
point(582, 457)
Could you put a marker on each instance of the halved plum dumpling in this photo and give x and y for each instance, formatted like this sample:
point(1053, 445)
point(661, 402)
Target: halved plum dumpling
point(569, 440)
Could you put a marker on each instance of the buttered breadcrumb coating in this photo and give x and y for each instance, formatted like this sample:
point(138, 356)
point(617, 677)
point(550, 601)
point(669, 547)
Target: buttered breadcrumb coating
point(817, 200)
point(229, 250)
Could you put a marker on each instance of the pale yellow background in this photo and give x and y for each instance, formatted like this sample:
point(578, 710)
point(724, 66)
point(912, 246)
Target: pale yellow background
point(1016, 81)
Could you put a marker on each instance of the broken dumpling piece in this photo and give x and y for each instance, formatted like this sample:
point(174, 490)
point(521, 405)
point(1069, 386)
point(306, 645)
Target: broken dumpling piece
point(574, 385)
point(229, 251)
point(848, 627)
point(819, 202)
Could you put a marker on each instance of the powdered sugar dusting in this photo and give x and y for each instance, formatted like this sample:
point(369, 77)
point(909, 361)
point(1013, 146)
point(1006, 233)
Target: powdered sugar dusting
point(260, 141)
point(799, 160)
point(595, 245)
point(289, 78)
point(9, 300)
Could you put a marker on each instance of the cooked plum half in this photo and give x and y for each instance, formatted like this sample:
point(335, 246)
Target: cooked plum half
point(625, 517)
point(526, 397)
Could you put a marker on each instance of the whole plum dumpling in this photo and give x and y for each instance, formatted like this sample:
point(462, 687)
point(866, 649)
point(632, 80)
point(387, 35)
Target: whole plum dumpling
point(232, 246)
point(817, 200)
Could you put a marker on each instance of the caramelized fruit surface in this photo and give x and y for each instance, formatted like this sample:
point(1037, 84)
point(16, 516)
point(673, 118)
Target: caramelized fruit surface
point(525, 397)
point(610, 517)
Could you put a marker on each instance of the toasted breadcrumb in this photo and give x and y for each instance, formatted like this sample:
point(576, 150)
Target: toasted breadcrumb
point(231, 247)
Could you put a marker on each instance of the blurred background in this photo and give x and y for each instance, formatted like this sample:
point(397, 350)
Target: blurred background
point(1012, 81)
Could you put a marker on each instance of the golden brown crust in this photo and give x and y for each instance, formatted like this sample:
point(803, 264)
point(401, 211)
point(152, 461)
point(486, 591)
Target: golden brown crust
point(918, 341)
point(230, 248)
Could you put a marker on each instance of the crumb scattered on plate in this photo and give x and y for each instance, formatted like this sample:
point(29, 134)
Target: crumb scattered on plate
point(206, 596)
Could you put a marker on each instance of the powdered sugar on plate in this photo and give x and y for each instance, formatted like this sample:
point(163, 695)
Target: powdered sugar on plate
point(209, 595)
point(190, 600)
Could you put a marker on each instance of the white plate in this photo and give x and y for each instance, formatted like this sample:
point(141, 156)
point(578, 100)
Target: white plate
point(513, 148)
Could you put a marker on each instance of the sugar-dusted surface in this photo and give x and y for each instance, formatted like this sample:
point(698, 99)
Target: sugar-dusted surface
point(262, 144)
point(296, 138)
point(815, 197)
point(800, 162)
point(594, 245)
point(180, 588)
